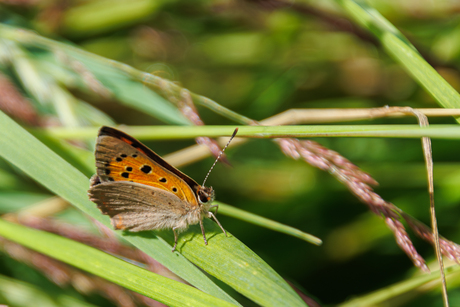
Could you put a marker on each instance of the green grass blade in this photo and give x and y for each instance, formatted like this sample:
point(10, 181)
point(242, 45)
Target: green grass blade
point(231, 261)
point(267, 223)
point(225, 258)
point(160, 288)
point(134, 94)
point(175, 132)
point(403, 51)
point(76, 156)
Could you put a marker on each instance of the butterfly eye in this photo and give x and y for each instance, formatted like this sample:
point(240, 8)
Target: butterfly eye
point(204, 198)
point(205, 195)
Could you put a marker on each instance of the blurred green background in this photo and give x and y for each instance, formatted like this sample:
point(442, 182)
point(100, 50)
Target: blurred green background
point(260, 58)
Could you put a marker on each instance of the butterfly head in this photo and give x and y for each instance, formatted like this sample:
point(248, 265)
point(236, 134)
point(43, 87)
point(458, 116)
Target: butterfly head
point(205, 195)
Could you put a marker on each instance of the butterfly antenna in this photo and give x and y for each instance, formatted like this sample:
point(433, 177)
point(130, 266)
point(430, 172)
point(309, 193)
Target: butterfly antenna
point(218, 157)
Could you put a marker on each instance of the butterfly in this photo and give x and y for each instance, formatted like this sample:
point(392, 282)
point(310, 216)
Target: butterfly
point(140, 191)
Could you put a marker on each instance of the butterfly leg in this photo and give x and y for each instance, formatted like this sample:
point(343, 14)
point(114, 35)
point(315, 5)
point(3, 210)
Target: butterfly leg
point(175, 239)
point(214, 206)
point(202, 231)
point(211, 215)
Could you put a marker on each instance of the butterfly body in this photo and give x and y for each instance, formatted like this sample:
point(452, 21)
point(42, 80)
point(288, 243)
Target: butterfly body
point(140, 191)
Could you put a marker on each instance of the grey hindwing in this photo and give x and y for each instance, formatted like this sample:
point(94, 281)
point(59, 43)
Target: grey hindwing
point(141, 207)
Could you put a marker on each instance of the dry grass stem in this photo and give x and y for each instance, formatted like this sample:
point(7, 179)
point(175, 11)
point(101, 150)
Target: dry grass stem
point(358, 183)
point(196, 152)
point(189, 110)
point(321, 116)
point(346, 172)
point(448, 248)
point(85, 74)
point(427, 153)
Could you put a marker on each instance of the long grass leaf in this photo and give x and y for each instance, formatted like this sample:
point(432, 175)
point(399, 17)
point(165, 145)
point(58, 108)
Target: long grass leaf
point(160, 288)
point(174, 132)
point(267, 223)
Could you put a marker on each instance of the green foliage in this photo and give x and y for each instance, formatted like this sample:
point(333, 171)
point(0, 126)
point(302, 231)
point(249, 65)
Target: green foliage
point(108, 62)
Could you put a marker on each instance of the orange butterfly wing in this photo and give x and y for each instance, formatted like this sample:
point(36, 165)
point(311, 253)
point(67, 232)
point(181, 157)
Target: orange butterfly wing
point(120, 157)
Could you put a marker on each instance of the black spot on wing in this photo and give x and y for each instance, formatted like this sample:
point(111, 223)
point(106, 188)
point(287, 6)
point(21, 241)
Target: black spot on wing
point(146, 169)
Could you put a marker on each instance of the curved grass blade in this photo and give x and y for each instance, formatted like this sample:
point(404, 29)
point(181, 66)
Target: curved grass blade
point(160, 288)
point(229, 260)
point(225, 258)
point(267, 223)
point(403, 51)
